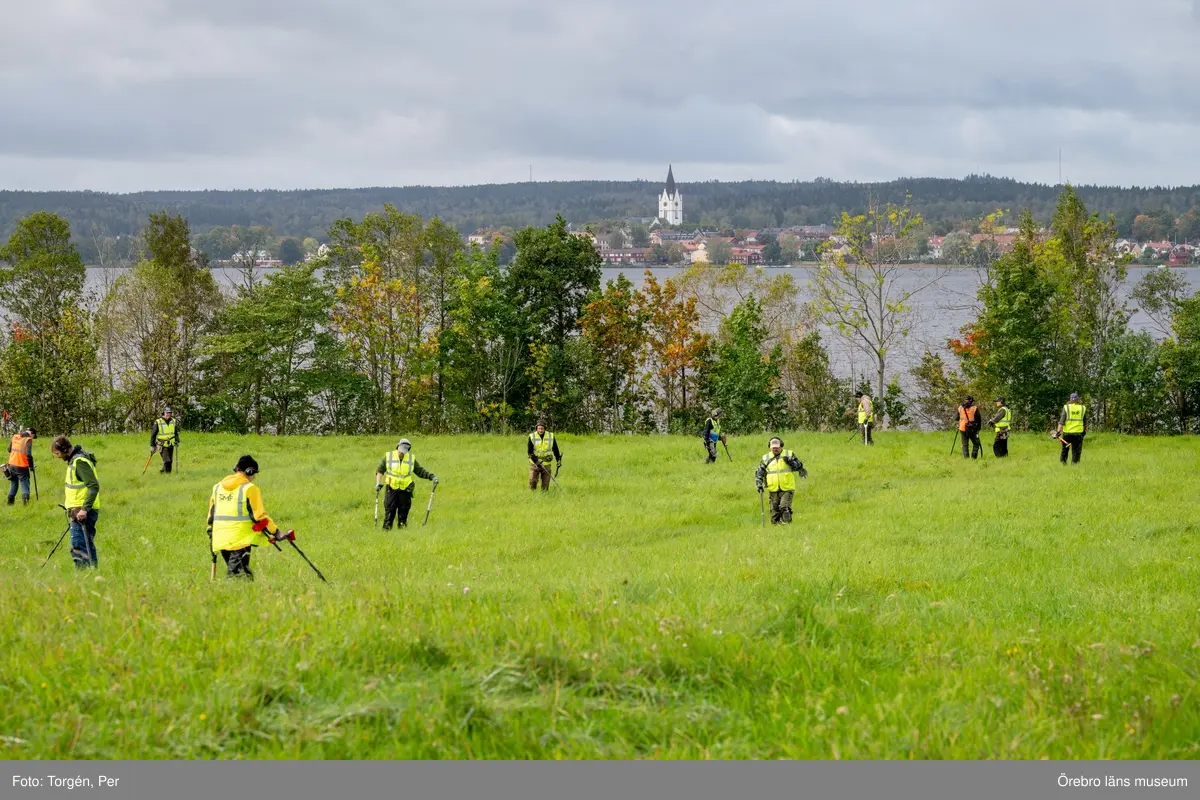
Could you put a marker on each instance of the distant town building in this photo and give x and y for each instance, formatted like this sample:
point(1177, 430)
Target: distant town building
point(750, 255)
point(630, 255)
point(483, 237)
point(670, 202)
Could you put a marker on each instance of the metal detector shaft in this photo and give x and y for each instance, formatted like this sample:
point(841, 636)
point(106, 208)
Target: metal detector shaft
point(212, 573)
point(55, 549)
point(60, 539)
point(543, 468)
point(311, 564)
point(429, 506)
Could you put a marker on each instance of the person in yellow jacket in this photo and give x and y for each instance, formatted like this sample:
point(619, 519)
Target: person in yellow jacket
point(1072, 427)
point(540, 449)
point(81, 498)
point(777, 473)
point(164, 438)
point(1002, 420)
point(397, 469)
point(237, 519)
point(866, 416)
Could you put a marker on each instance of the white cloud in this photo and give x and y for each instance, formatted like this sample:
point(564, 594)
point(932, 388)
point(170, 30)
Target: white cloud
point(131, 94)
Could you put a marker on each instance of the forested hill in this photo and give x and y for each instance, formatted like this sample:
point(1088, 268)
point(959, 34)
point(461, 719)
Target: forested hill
point(747, 204)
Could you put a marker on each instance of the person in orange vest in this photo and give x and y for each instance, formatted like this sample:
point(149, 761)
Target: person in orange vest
point(969, 424)
point(20, 465)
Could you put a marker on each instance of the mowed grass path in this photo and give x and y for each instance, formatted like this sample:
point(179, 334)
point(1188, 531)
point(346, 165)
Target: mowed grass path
point(919, 607)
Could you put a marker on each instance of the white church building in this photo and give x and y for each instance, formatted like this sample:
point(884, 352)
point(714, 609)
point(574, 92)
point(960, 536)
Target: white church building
point(670, 202)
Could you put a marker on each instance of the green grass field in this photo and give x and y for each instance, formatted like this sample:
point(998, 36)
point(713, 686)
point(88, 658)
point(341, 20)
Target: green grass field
point(919, 607)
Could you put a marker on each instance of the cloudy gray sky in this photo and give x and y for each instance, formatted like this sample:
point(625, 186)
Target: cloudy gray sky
point(122, 95)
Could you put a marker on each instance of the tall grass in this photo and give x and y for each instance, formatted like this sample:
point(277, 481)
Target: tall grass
point(920, 606)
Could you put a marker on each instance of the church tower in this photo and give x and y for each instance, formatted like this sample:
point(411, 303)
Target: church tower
point(670, 203)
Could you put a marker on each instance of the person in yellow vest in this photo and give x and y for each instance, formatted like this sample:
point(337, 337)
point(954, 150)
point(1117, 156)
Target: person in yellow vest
point(82, 499)
point(238, 521)
point(777, 473)
point(1002, 420)
point(712, 434)
point(866, 416)
point(164, 437)
point(20, 464)
point(1072, 427)
point(541, 448)
point(969, 424)
point(397, 470)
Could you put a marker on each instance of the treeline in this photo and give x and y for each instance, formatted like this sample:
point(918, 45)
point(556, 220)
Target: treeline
point(400, 327)
point(101, 220)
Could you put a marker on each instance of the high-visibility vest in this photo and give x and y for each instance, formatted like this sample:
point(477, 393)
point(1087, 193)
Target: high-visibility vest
point(1074, 412)
point(75, 494)
point(399, 470)
point(1006, 421)
point(967, 415)
point(543, 448)
point(715, 433)
point(780, 477)
point(166, 430)
point(18, 457)
point(866, 413)
point(232, 522)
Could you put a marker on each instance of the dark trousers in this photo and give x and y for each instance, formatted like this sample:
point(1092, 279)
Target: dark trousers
point(711, 447)
point(20, 476)
point(1074, 444)
point(971, 444)
point(83, 540)
point(237, 563)
point(1000, 445)
point(781, 507)
point(168, 456)
point(396, 503)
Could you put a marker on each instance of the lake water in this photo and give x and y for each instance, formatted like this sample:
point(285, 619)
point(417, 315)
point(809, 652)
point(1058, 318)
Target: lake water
point(939, 313)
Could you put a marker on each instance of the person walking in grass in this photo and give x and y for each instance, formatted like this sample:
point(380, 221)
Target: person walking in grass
point(969, 425)
point(237, 519)
point(866, 416)
point(541, 449)
point(164, 438)
point(81, 498)
point(1072, 427)
point(777, 473)
point(20, 465)
point(712, 434)
point(1002, 420)
point(397, 470)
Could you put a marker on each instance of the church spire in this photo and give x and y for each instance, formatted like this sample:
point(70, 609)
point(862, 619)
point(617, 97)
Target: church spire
point(670, 182)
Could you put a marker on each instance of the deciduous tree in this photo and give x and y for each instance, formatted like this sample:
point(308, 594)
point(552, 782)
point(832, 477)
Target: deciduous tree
point(860, 293)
